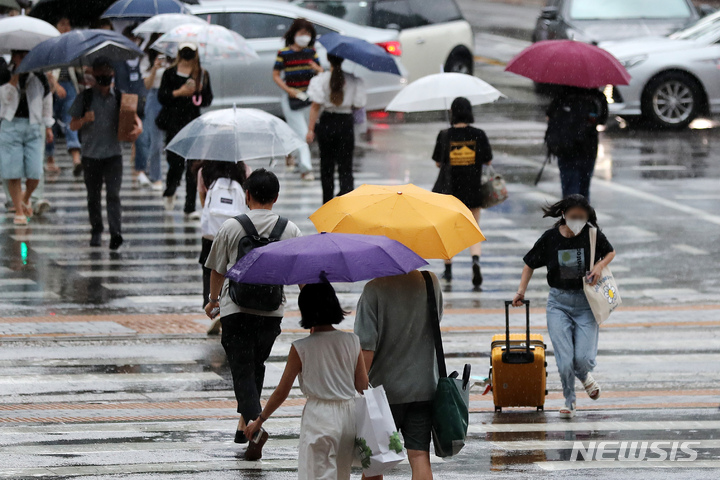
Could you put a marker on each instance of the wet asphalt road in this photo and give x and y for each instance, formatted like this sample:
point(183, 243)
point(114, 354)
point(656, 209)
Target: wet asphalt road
point(105, 370)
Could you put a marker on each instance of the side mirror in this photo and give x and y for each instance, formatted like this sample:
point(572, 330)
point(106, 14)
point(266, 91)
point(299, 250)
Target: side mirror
point(549, 13)
point(706, 10)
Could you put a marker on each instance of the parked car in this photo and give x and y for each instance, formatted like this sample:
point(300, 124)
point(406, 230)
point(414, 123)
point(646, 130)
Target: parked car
point(595, 21)
point(434, 36)
point(250, 84)
point(674, 78)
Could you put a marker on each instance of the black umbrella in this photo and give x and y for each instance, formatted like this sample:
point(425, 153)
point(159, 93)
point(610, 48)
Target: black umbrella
point(80, 13)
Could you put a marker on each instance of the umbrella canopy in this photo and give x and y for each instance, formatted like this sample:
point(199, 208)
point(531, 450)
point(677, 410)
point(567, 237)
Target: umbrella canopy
point(369, 55)
point(235, 134)
point(80, 13)
point(78, 48)
point(437, 92)
point(571, 63)
point(332, 257)
point(430, 224)
point(165, 22)
point(141, 9)
point(24, 33)
point(9, 4)
point(215, 41)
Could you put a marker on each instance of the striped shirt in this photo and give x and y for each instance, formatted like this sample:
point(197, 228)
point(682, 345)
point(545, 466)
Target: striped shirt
point(297, 66)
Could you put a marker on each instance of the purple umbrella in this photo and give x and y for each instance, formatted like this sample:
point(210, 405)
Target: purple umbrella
point(332, 257)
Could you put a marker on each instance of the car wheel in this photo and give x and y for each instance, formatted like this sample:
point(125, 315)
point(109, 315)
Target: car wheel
point(458, 63)
point(672, 100)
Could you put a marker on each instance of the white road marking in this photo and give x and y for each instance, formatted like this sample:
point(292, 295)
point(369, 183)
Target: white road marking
point(689, 249)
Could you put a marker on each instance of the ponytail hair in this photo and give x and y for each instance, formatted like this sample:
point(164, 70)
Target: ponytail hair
point(337, 80)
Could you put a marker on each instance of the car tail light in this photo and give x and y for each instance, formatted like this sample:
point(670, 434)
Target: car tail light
point(393, 48)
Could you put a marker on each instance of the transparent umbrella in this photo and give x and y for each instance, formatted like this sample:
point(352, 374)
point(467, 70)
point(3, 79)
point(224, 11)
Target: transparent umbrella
point(24, 33)
point(165, 22)
point(235, 134)
point(215, 42)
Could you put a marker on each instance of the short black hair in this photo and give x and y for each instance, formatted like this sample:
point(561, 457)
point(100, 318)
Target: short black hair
point(297, 25)
point(102, 62)
point(319, 306)
point(461, 111)
point(262, 185)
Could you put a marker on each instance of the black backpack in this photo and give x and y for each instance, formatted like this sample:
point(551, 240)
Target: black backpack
point(265, 298)
point(571, 125)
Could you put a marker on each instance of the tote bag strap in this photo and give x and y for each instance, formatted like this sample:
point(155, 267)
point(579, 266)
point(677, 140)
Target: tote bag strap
point(435, 324)
point(593, 244)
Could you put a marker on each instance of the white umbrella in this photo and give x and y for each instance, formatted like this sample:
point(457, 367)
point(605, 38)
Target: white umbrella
point(165, 22)
point(437, 92)
point(215, 42)
point(235, 134)
point(24, 33)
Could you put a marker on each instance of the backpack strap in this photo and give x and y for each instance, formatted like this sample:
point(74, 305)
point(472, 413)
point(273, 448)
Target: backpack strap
point(247, 225)
point(279, 229)
point(435, 323)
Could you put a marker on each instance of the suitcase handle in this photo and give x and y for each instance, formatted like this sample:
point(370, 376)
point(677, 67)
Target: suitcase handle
point(517, 357)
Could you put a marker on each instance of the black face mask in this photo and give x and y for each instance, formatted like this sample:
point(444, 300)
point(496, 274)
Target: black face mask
point(187, 54)
point(104, 80)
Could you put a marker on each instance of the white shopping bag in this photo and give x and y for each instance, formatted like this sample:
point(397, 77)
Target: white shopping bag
point(377, 443)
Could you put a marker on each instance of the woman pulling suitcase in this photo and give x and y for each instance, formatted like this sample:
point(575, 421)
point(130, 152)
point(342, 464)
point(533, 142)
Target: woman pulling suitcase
point(565, 251)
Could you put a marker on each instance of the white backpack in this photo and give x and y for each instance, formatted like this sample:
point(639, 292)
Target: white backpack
point(225, 199)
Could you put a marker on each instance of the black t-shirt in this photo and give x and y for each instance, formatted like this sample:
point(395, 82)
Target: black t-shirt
point(23, 109)
point(567, 259)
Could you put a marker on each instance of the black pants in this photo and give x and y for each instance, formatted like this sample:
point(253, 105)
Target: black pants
point(177, 166)
point(107, 170)
point(577, 170)
point(336, 139)
point(204, 253)
point(248, 341)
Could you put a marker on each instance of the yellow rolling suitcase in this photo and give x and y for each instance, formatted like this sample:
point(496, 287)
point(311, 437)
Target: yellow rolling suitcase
point(518, 369)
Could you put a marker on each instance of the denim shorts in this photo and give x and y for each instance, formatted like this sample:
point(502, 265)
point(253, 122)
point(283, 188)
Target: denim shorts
point(414, 421)
point(22, 145)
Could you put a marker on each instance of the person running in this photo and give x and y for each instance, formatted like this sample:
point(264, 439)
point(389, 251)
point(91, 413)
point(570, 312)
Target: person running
point(295, 66)
point(331, 369)
point(393, 324)
point(248, 335)
point(565, 251)
point(572, 136)
point(184, 89)
point(222, 182)
point(153, 66)
point(336, 94)
point(460, 153)
point(26, 111)
point(96, 114)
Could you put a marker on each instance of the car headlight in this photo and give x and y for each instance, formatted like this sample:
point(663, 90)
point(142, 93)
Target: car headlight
point(633, 61)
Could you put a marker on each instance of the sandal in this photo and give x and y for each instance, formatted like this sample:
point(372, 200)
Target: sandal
point(20, 220)
point(591, 387)
point(27, 208)
point(568, 412)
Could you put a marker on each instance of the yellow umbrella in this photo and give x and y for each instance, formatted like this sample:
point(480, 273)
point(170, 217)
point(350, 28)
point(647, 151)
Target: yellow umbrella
point(430, 224)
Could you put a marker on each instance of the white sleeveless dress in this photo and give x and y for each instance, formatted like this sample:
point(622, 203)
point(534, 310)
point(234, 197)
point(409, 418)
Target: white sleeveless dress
point(327, 429)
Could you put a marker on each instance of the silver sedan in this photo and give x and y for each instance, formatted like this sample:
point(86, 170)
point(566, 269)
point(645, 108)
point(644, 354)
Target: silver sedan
point(675, 79)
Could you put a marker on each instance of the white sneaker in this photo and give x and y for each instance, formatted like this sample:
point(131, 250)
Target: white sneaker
point(192, 215)
point(41, 206)
point(307, 176)
point(169, 203)
point(568, 412)
point(592, 387)
point(158, 186)
point(143, 180)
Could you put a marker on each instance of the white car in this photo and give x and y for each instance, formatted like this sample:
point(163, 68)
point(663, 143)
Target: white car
point(262, 23)
point(434, 36)
point(674, 79)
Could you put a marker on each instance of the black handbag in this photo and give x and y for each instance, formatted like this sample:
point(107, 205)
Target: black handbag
point(163, 119)
point(443, 184)
point(297, 104)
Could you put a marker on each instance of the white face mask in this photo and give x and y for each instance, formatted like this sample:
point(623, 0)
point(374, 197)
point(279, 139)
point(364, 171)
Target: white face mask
point(575, 226)
point(303, 40)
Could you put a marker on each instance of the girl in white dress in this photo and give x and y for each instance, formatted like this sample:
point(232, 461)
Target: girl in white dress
point(331, 369)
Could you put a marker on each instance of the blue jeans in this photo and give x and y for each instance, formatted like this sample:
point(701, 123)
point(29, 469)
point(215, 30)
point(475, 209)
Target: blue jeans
point(575, 176)
point(61, 112)
point(149, 146)
point(574, 335)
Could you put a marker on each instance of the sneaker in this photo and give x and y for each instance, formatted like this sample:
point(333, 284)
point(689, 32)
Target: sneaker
point(591, 387)
point(77, 169)
point(143, 180)
point(157, 186)
point(307, 176)
point(96, 239)
point(169, 203)
point(192, 215)
point(477, 278)
point(568, 412)
point(254, 450)
point(115, 242)
point(41, 206)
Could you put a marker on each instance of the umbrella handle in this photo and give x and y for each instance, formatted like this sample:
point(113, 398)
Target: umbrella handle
point(197, 100)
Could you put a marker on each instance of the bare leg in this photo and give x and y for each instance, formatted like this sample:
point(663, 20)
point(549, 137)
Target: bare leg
point(15, 188)
point(75, 153)
point(420, 465)
point(476, 249)
point(30, 186)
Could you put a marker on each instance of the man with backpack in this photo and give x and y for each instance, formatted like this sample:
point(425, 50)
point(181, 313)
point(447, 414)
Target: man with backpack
point(96, 113)
point(572, 136)
point(250, 314)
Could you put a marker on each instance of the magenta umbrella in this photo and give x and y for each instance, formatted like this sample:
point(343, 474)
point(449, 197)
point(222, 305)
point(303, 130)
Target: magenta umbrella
point(331, 257)
point(568, 62)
